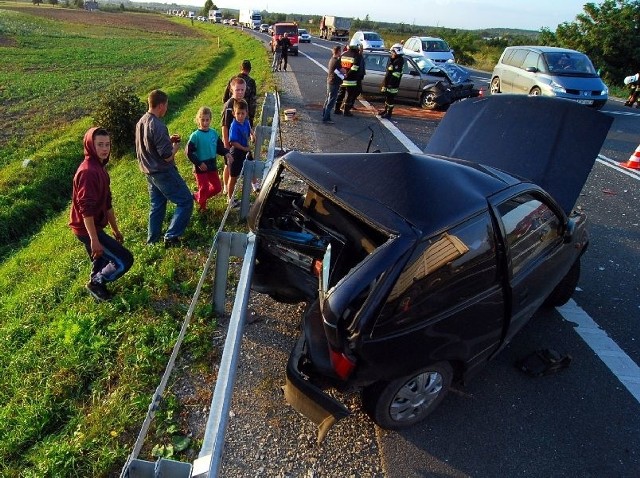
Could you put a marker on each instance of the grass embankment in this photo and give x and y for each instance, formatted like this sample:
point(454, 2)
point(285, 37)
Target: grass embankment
point(77, 375)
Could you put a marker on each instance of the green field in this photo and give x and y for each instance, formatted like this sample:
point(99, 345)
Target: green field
point(77, 375)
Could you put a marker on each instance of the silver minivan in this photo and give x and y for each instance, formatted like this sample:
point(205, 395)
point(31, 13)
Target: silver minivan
point(549, 71)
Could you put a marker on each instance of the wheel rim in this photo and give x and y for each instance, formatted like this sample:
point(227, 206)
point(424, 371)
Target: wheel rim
point(428, 100)
point(495, 86)
point(535, 92)
point(415, 396)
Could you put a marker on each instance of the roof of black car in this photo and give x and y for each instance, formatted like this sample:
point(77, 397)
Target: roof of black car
point(391, 189)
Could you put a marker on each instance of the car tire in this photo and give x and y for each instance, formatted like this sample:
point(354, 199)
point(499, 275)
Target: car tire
point(565, 288)
point(494, 88)
point(427, 101)
point(403, 402)
point(535, 91)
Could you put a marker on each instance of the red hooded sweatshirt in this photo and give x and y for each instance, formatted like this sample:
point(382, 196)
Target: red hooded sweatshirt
point(91, 190)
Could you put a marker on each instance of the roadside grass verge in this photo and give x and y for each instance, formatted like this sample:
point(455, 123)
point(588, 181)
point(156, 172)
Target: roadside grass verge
point(49, 93)
point(78, 375)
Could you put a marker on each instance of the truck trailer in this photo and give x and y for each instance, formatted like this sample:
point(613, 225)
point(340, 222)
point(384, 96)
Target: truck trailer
point(335, 28)
point(250, 18)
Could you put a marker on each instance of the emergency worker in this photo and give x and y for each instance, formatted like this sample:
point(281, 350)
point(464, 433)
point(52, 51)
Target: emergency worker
point(350, 63)
point(392, 78)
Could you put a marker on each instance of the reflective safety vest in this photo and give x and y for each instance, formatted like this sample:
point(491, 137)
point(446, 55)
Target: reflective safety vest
point(350, 62)
point(394, 74)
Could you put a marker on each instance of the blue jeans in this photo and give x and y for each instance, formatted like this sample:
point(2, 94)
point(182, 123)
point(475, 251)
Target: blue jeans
point(114, 261)
point(168, 186)
point(330, 102)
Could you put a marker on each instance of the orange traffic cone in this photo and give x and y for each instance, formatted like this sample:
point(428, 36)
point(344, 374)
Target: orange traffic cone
point(634, 160)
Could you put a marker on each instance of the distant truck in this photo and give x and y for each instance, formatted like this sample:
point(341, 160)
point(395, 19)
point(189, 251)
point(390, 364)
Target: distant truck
point(215, 16)
point(250, 18)
point(335, 28)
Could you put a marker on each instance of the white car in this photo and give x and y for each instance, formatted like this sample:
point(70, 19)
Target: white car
point(368, 40)
point(303, 36)
point(264, 28)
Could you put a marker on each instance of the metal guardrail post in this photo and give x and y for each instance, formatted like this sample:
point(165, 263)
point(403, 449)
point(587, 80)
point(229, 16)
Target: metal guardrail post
point(210, 457)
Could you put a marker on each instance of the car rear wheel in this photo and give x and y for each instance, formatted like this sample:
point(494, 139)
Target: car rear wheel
point(495, 86)
point(428, 100)
point(535, 91)
point(406, 401)
point(565, 288)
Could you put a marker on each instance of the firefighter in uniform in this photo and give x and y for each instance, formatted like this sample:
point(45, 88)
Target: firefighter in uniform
point(350, 62)
point(392, 79)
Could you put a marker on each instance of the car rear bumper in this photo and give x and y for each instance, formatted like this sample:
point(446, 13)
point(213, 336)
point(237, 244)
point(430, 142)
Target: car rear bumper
point(307, 398)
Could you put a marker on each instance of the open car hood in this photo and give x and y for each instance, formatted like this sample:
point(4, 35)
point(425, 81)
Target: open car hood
point(455, 73)
point(551, 142)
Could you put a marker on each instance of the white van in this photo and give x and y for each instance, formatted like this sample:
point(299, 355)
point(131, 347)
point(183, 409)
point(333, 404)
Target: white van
point(435, 49)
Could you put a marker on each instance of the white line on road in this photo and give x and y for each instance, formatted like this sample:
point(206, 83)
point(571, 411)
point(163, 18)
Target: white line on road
point(613, 164)
point(613, 356)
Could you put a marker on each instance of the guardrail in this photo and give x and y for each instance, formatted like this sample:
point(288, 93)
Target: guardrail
point(225, 244)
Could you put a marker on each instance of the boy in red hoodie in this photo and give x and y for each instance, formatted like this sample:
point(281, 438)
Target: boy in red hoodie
point(91, 211)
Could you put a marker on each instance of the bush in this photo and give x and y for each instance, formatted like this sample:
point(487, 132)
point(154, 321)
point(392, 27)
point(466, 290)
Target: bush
point(118, 111)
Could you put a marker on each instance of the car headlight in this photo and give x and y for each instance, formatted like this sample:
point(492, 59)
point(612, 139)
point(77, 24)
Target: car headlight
point(557, 87)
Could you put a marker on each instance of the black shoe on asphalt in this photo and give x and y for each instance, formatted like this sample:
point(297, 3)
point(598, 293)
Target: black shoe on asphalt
point(347, 113)
point(337, 112)
point(327, 122)
point(172, 242)
point(98, 291)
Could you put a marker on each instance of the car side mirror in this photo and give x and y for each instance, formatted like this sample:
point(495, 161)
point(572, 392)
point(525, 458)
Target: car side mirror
point(531, 69)
point(569, 231)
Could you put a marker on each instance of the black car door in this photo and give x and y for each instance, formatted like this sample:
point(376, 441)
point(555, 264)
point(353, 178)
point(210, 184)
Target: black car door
point(532, 228)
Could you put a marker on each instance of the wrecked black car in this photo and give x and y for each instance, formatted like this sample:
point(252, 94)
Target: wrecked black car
point(419, 268)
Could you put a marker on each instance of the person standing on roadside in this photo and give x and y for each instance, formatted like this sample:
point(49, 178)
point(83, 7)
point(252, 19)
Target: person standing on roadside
point(391, 82)
point(92, 210)
point(156, 152)
point(203, 147)
point(284, 44)
point(350, 63)
point(251, 90)
point(361, 72)
point(238, 88)
point(334, 79)
point(240, 136)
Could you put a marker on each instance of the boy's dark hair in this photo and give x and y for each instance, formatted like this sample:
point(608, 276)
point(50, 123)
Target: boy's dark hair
point(246, 65)
point(100, 132)
point(157, 97)
point(240, 105)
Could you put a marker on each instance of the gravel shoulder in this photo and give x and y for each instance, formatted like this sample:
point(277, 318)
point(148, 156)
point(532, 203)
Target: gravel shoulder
point(265, 436)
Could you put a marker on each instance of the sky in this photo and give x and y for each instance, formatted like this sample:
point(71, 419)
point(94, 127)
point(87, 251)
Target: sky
point(464, 14)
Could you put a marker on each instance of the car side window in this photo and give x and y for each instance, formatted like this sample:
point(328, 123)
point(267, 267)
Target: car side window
point(446, 271)
point(531, 60)
point(375, 63)
point(517, 58)
point(407, 68)
point(532, 228)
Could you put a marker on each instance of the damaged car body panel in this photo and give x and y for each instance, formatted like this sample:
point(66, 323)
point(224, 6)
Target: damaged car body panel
point(416, 270)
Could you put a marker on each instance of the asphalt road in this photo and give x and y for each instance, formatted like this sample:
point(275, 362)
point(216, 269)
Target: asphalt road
point(583, 421)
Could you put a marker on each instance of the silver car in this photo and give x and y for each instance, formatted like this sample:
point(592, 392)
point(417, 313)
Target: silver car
point(433, 86)
point(549, 71)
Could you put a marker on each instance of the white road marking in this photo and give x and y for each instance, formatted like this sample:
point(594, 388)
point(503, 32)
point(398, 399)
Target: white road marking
point(613, 356)
point(393, 129)
point(604, 347)
point(613, 164)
